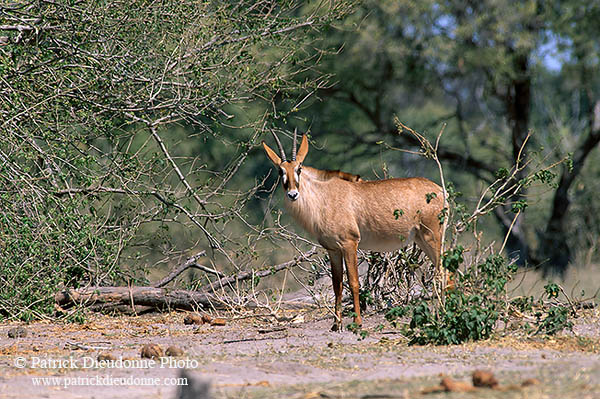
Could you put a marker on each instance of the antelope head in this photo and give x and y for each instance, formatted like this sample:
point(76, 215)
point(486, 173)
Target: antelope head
point(289, 170)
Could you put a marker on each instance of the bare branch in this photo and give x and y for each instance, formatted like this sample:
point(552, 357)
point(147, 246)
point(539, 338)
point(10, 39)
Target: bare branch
point(227, 281)
point(190, 263)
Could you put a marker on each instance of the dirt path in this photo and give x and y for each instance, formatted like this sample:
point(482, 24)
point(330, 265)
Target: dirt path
point(257, 358)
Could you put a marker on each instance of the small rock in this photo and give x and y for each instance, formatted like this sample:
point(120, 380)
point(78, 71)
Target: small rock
point(174, 351)
point(218, 322)
point(106, 356)
point(435, 389)
point(456, 386)
point(193, 318)
point(17, 332)
point(530, 381)
point(152, 351)
point(482, 378)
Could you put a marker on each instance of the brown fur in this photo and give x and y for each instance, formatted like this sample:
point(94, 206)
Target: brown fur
point(380, 215)
point(330, 174)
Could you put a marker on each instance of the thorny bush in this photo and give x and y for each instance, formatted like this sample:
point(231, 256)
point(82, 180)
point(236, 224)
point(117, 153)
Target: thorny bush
point(124, 131)
point(472, 308)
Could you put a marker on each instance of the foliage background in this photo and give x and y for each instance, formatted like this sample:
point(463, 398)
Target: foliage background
point(129, 135)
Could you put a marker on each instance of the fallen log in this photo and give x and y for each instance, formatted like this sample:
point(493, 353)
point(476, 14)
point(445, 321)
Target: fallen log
point(159, 298)
point(114, 298)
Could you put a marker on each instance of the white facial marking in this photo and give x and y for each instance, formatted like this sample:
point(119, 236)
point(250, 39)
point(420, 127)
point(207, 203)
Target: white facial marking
point(284, 176)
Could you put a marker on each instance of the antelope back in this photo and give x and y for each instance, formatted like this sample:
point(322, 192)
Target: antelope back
point(330, 174)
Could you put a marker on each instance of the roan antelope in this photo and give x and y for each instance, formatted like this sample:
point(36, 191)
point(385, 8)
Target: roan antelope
point(345, 213)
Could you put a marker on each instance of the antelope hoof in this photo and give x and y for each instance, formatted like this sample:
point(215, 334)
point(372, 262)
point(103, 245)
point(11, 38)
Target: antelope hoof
point(337, 326)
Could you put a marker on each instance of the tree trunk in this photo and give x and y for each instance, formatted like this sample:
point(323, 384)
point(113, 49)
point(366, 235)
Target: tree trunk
point(554, 246)
point(554, 250)
point(518, 107)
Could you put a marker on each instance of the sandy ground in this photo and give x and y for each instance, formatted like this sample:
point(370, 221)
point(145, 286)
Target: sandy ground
point(259, 357)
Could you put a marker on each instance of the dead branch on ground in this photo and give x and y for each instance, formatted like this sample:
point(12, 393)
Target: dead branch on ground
point(156, 297)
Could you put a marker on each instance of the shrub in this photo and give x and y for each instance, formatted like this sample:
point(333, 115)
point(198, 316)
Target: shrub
point(468, 313)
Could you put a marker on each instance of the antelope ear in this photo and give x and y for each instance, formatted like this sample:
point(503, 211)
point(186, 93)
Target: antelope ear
point(303, 150)
point(271, 154)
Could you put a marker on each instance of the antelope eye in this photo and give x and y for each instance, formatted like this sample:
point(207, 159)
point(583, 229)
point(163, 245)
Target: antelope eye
point(299, 170)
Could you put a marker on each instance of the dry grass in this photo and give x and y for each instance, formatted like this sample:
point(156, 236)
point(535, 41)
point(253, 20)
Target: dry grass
point(581, 283)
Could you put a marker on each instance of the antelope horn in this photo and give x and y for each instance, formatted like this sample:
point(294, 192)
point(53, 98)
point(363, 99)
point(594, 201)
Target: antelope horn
point(294, 145)
point(280, 146)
